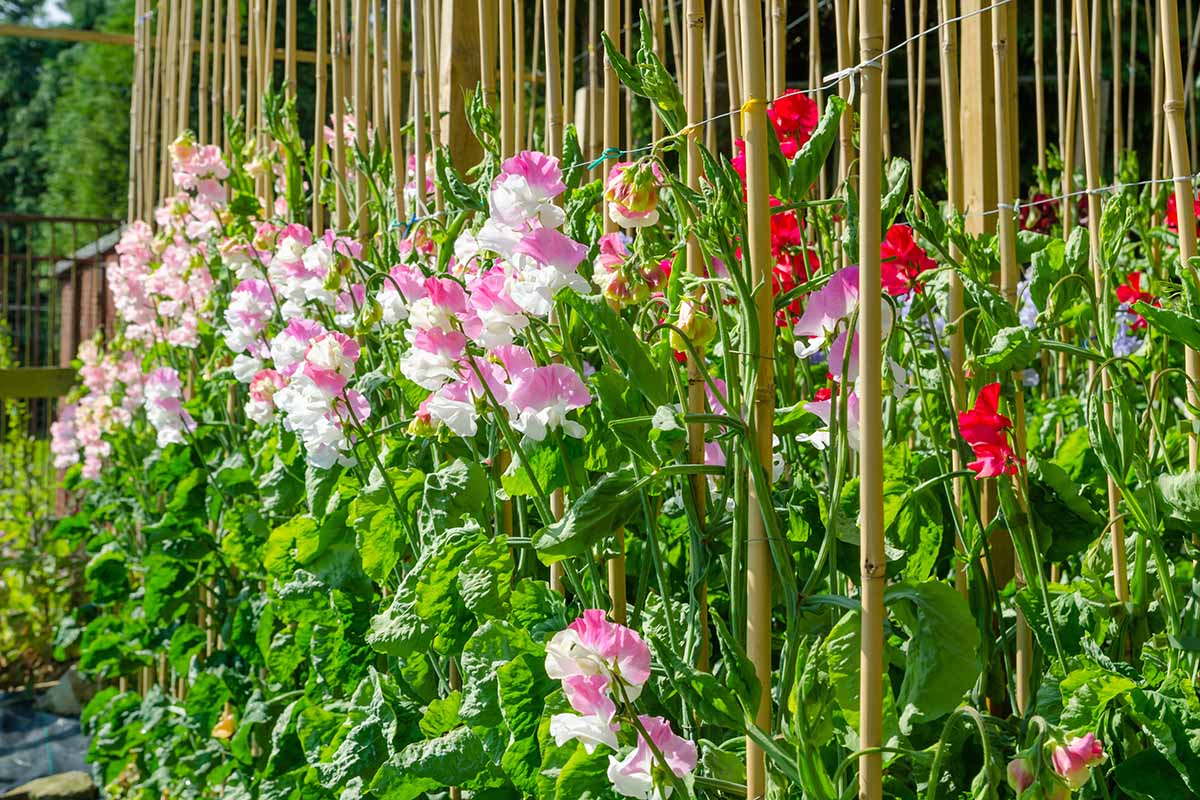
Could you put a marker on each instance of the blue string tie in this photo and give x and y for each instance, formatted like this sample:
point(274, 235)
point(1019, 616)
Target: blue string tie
point(609, 152)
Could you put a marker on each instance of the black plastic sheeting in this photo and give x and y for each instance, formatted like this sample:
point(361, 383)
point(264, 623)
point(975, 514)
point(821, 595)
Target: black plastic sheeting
point(34, 744)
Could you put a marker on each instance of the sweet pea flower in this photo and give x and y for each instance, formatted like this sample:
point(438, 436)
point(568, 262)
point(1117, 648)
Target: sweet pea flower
point(290, 345)
point(1040, 214)
point(541, 398)
point(494, 317)
point(545, 261)
point(251, 305)
point(329, 362)
point(1131, 292)
point(1074, 760)
point(824, 311)
point(795, 116)
point(902, 261)
point(443, 304)
point(263, 386)
point(63, 444)
point(1172, 218)
point(822, 406)
point(1020, 774)
point(985, 430)
point(524, 191)
point(593, 646)
point(434, 358)
point(164, 407)
point(635, 775)
point(632, 193)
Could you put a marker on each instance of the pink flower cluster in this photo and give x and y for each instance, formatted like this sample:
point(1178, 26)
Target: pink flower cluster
point(601, 664)
point(164, 407)
point(507, 274)
point(1072, 763)
point(112, 393)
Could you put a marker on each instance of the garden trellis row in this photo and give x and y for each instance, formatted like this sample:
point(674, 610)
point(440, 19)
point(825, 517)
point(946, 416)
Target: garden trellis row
point(399, 130)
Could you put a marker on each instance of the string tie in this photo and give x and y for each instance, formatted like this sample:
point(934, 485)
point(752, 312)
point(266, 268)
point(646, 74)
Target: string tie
point(406, 226)
point(608, 153)
point(752, 104)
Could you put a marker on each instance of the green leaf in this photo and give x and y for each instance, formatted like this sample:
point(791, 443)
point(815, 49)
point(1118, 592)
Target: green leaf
point(1148, 775)
point(546, 464)
point(604, 507)
point(807, 163)
point(495, 644)
point(1182, 495)
point(524, 687)
point(427, 611)
point(1115, 441)
point(715, 703)
point(1173, 730)
point(1178, 327)
point(1012, 349)
point(619, 340)
point(738, 672)
point(455, 759)
point(454, 491)
point(943, 641)
point(441, 716)
point(1087, 693)
point(899, 173)
point(584, 777)
point(107, 576)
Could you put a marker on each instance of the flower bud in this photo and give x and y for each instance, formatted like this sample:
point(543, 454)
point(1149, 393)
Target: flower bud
point(632, 193)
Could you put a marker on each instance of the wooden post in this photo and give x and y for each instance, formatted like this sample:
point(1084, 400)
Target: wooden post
point(487, 48)
point(135, 118)
point(870, 455)
point(1173, 108)
point(518, 45)
point(757, 248)
point(978, 123)
point(568, 61)
point(202, 88)
point(1118, 135)
point(1091, 158)
point(460, 69)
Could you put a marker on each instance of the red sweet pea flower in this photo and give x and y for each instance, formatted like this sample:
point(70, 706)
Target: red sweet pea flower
point(793, 262)
point(986, 430)
point(902, 261)
point(822, 394)
point(794, 116)
point(1131, 292)
point(738, 161)
point(1173, 212)
point(1040, 214)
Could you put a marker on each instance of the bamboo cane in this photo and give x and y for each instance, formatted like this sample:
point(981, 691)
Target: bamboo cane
point(911, 79)
point(1190, 75)
point(1074, 68)
point(555, 111)
point(519, 71)
point(731, 69)
point(778, 47)
point(1039, 73)
point(1190, 98)
point(846, 124)
point(948, 66)
point(395, 29)
point(289, 47)
point(627, 93)
point(417, 93)
point(266, 76)
point(885, 119)
point(254, 13)
point(1156, 93)
point(318, 212)
point(1118, 133)
point(677, 58)
point(433, 78)
point(202, 86)
point(612, 126)
point(216, 118)
point(594, 136)
point(378, 112)
point(870, 455)
point(657, 39)
point(695, 265)
point(185, 64)
point(1095, 58)
point(1006, 232)
point(1131, 72)
point(233, 63)
point(487, 50)
point(757, 246)
point(1173, 107)
point(135, 119)
point(507, 131)
point(166, 101)
point(1091, 159)
point(358, 51)
point(338, 63)
point(710, 80)
point(568, 63)
point(815, 73)
point(538, 13)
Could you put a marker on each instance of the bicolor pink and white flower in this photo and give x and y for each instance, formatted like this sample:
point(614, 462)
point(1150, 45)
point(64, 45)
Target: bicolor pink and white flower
point(1074, 760)
point(632, 193)
point(541, 398)
point(592, 645)
point(435, 357)
point(251, 306)
point(263, 386)
point(524, 191)
point(329, 362)
point(638, 773)
point(164, 407)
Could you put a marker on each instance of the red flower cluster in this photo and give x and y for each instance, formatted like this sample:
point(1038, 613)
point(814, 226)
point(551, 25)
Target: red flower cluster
point(1040, 215)
point(1173, 212)
point(902, 260)
point(986, 430)
point(794, 116)
point(1131, 292)
point(793, 262)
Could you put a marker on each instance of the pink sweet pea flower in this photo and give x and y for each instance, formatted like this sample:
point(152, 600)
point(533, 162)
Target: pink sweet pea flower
point(329, 362)
point(1020, 774)
point(825, 309)
point(434, 358)
point(592, 645)
point(523, 193)
point(444, 304)
point(632, 193)
point(251, 305)
point(263, 386)
point(635, 775)
point(822, 406)
point(1074, 761)
point(541, 398)
point(494, 315)
point(289, 345)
